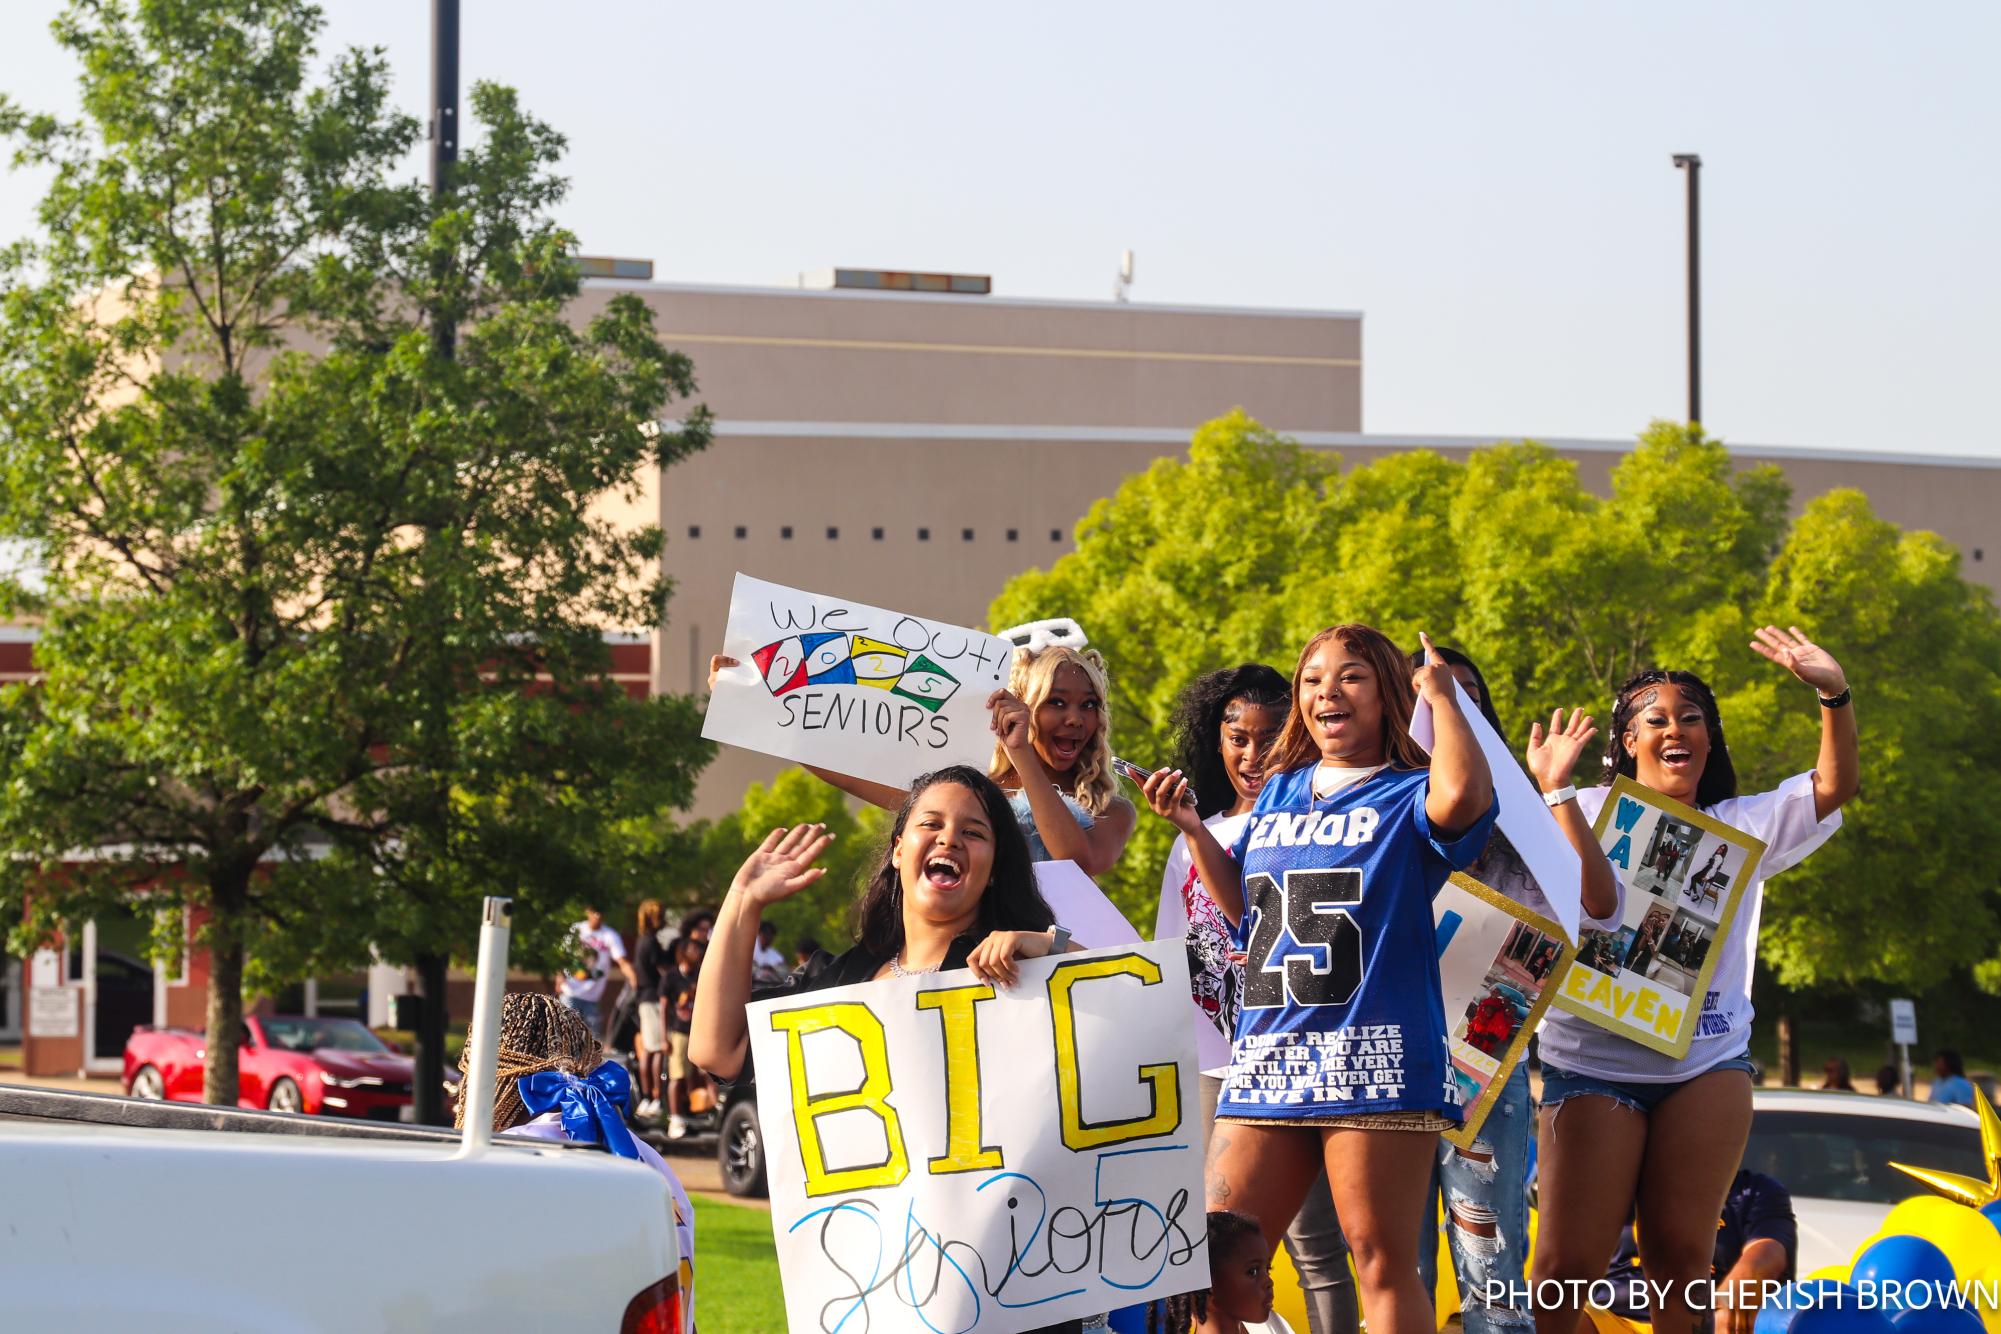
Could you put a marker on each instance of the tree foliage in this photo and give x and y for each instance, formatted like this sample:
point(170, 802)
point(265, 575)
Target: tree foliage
point(1244, 548)
point(323, 614)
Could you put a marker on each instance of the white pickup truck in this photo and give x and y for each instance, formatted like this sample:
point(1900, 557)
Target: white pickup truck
point(120, 1214)
point(117, 1214)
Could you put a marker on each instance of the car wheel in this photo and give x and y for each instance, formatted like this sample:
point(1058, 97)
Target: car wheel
point(285, 1097)
point(147, 1083)
point(741, 1151)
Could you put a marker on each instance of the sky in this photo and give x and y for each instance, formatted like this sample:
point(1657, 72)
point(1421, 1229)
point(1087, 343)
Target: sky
point(1489, 183)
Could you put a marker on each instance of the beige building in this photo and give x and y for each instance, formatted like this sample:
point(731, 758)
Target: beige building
point(916, 449)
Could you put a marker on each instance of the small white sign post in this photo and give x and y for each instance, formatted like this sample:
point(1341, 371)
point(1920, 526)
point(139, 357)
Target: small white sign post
point(1904, 1032)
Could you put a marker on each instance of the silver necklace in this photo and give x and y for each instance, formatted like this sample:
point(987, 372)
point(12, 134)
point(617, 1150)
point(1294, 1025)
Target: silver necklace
point(896, 968)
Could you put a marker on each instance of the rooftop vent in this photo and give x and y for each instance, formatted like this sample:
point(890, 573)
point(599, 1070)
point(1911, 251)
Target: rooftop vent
point(896, 280)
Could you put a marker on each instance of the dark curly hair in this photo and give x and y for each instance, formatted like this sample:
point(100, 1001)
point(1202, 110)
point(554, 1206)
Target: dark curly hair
point(1719, 775)
point(1199, 714)
point(1226, 1229)
point(1011, 900)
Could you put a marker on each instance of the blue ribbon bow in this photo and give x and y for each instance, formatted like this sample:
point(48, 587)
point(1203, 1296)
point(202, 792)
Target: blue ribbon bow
point(593, 1107)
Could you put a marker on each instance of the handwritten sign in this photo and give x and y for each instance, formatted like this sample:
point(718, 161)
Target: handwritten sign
point(1685, 877)
point(1499, 965)
point(948, 1155)
point(857, 689)
point(1525, 818)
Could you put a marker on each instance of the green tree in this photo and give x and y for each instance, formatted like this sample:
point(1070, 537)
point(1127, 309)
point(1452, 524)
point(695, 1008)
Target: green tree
point(322, 622)
point(1250, 544)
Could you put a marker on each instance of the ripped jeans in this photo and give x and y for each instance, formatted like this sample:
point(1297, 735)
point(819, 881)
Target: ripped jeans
point(1486, 1211)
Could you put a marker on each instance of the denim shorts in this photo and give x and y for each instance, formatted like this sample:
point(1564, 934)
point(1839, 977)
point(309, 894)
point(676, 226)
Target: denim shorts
point(1559, 1085)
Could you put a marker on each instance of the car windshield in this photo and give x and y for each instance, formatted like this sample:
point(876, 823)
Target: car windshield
point(312, 1034)
point(1847, 1155)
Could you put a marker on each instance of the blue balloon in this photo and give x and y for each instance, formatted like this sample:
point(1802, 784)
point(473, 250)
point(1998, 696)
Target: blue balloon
point(1820, 1306)
point(1902, 1261)
point(1937, 1320)
point(1992, 1213)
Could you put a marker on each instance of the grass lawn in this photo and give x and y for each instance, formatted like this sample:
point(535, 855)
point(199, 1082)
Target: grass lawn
point(736, 1270)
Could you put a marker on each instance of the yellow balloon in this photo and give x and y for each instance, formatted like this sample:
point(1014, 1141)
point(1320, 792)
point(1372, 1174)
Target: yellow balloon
point(1287, 1298)
point(1969, 1241)
point(1986, 1299)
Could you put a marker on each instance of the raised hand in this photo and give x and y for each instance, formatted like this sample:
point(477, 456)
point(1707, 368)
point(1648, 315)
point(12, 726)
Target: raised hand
point(1552, 756)
point(1011, 721)
point(782, 864)
point(720, 662)
point(1799, 655)
point(1434, 681)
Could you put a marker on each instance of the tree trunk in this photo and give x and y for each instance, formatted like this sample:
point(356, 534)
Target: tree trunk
point(1789, 1055)
point(225, 1008)
point(429, 1059)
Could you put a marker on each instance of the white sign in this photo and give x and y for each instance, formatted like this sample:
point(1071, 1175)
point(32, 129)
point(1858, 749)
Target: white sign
point(1525, 817)
point(1904, 1023)
point(52, 1012)
point(871, 693)
point(946, 1155)
point(46, 970)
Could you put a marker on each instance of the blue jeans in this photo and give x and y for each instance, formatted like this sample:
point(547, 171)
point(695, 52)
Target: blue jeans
point(1487, 1212)
point(587, 1010)
point(1558, 1086)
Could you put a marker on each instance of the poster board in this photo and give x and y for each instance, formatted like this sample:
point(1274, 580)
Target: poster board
point(1499, 967)
point(1685, 877)
point(945, 1155)
point(860, 690)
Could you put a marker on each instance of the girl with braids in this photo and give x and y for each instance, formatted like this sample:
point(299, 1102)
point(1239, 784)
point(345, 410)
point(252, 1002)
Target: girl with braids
point(1238, 1298)
point(1339, 1059)
point(1619, 1120)
point(552, 1081)
point(954, 889)
point(1053, 756)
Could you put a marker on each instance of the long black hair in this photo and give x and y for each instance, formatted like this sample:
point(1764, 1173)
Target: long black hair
point(1719, 775)
point(1226, 1228)
point(1454, 658)
point(1011, 900)
point(1199, 715)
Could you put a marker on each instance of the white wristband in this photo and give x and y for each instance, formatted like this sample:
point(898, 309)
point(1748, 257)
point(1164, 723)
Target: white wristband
point(1565, 793)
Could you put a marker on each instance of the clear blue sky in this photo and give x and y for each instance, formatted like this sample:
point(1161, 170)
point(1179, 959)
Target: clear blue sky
point(1490, 183)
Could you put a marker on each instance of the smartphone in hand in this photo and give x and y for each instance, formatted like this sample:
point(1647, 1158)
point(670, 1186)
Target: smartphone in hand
point(1132, 772)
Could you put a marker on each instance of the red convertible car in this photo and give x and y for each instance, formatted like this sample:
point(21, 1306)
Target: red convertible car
point(288, 1063)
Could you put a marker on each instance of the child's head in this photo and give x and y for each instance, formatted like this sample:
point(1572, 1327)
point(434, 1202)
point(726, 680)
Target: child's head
point(537, 1032)
point(1070, 722)
point(1240, 1286)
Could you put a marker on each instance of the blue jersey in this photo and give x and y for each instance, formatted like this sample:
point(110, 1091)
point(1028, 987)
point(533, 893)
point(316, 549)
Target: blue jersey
point(1341, 1008)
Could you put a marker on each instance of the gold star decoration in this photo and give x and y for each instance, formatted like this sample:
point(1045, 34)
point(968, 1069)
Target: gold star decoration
point(1967, 1190)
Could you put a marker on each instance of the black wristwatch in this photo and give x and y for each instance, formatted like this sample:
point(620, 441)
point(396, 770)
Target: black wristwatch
point(1836, 701)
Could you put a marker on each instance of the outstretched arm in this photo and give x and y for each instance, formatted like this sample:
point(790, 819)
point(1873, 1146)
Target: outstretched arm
point(1837, 774)
point(1166, 792)
point(1462, 787)
point(719, 1033)
point(1552, 759)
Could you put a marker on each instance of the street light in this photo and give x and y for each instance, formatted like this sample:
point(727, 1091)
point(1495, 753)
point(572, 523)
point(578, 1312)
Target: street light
point(1692, 163)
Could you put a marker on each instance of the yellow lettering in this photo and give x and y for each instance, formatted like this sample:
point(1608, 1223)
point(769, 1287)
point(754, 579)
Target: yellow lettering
point(858, 1023)
point(1575, 982)
point(1163, 1085)
point(963, 1150)
point(1667, 1020)
point(1622, 1000)
point(1601, 992)
point(1643, 1013)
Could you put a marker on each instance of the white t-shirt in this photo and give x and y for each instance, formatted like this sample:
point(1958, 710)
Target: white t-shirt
point(602, 949)
point(1784, 818)
point(767, 963)
point(1187, 910)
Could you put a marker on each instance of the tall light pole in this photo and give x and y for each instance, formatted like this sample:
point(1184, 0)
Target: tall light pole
point(428, 1094)
point(1692, 164)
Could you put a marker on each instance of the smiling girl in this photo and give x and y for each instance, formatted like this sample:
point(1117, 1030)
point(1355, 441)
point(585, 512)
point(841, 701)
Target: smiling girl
point(1620, 1120)
point(1339, 1058)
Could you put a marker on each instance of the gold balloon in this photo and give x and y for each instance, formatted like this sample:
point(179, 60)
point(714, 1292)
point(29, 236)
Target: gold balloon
point(1967, 1190)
